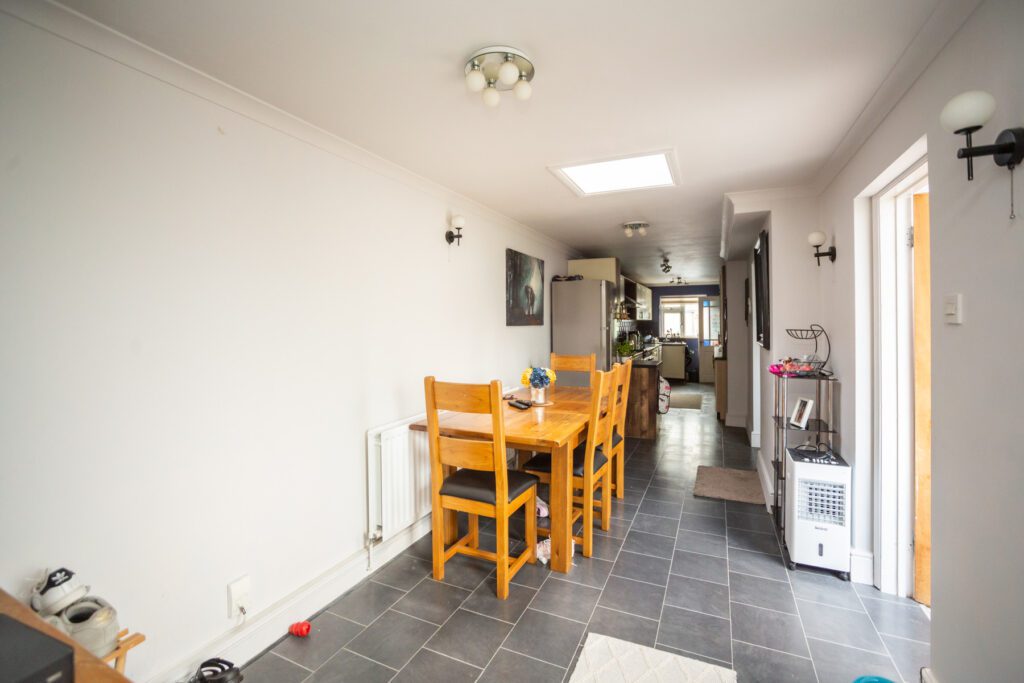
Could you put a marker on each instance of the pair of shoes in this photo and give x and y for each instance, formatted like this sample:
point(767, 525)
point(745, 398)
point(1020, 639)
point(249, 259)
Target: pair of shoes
point(64, 603)
point(542, 508)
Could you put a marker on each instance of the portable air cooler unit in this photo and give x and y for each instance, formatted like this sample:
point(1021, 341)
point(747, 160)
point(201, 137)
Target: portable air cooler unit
point(818, 510)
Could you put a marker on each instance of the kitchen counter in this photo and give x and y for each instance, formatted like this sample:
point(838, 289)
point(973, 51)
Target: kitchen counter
point(642, 407)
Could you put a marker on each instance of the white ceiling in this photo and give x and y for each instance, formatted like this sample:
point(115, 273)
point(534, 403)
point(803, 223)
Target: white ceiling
point(750, 94)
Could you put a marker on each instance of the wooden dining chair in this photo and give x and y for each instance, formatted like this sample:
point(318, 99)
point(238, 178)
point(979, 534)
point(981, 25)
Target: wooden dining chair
point(620, 397)
point(482, 485)
point(590, 466)
point(565, 363)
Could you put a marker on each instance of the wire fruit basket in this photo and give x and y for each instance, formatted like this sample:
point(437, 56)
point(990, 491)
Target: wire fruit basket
point(812, 365)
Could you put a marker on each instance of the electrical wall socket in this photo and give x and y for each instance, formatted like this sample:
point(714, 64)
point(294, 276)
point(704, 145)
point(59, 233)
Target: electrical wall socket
point(238, 597)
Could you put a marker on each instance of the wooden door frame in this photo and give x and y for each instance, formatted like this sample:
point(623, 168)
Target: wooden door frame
point(922, 400)
point(892, 368)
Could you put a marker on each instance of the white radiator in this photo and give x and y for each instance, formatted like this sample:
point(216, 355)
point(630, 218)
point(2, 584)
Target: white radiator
point(398, 478)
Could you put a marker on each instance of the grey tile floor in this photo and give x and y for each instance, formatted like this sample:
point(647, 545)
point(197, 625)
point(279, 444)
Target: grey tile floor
point(698, 577)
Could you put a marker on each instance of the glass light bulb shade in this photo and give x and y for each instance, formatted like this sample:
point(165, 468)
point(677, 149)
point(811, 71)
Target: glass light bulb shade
point(475, 80)
point(508, 73)
point(491, 96)
point(629, 232)
point(458, 221)
point(642, 230)
point(523, 89)
point(816, 238)
point(968, 109)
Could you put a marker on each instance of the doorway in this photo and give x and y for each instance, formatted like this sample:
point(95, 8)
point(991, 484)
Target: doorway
point(902, 370)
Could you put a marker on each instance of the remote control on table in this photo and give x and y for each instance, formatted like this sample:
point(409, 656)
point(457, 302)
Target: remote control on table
point(521, 405)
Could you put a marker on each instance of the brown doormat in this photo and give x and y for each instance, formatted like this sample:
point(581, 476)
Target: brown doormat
point(685, 399)
point(743, 486)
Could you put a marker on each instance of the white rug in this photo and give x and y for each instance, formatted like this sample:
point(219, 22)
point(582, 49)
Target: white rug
point(606, 660)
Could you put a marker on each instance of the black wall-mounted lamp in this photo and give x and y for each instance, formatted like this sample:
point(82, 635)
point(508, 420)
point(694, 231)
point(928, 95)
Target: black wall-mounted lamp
point(816, 239)
point(965, 115)
point(458, 223)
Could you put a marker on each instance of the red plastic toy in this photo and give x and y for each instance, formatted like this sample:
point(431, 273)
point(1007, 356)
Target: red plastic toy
point(299, 629)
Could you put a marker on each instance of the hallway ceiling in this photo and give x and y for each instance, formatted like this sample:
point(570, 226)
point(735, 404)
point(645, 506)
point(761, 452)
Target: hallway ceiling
point(749, 95)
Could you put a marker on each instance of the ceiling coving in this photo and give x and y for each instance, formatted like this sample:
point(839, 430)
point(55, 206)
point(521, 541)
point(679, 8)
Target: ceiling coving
point(494, 69)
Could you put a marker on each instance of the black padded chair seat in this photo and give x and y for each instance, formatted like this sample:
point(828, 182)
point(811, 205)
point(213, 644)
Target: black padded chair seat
point(479, 486)
point(542, 461)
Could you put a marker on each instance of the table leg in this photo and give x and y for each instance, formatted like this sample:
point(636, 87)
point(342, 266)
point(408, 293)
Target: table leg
point(561, 509)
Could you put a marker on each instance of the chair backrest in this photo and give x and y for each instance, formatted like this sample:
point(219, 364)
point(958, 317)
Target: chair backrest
point(474, 454)
point(620, 392)
point(564, 363)
point(602, 412)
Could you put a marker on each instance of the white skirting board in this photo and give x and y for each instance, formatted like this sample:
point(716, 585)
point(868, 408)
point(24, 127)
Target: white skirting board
point(263, 629)
point(927, 676)
point(862, 566)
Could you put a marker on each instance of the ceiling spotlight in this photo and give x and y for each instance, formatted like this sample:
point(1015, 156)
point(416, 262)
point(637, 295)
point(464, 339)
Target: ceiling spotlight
point(665, 265)
point(639, 227)
point(499, 68)
point(677, 280)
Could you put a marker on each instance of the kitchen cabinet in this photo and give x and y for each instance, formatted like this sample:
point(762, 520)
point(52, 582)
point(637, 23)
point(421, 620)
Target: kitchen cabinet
point(673, 357)
point(644, 302)
point(597, 269)
point(642, 406)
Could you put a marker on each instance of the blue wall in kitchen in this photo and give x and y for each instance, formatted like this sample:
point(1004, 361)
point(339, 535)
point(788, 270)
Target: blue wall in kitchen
point(651, 326)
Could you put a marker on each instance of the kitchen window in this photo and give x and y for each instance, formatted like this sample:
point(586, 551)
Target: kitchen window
point(680, 318)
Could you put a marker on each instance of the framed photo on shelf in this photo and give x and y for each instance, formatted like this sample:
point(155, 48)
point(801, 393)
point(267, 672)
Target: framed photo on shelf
point(801, 413)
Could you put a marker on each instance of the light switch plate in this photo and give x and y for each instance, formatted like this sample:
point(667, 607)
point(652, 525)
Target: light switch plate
point(953, 309)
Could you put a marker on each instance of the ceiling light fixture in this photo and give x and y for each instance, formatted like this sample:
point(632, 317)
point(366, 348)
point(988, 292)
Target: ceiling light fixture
point(639, 227)
point(965, 115)
point(492, 70)
point(618, 175)
point(666, 267)
point(678, 280)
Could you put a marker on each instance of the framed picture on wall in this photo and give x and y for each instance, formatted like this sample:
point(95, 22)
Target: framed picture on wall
point(524, 289)
point(762, 292)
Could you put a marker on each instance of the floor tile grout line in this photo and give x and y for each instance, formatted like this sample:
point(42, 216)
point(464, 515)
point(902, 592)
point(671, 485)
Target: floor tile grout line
point(847, 645)
point(909, 640)
point(871, 619)
point(799, 617)
point(781, 652)
point(828, 604)
point(302, 666)
point(767, 609)
point(732, 647)
point(454, 659)
point(696, 654)
point(369, 659)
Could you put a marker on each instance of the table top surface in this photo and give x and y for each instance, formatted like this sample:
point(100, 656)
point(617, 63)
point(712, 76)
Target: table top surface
point(88, 669)
point(537, 427)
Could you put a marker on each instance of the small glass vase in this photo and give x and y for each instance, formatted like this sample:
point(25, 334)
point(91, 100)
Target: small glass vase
point(539, 394)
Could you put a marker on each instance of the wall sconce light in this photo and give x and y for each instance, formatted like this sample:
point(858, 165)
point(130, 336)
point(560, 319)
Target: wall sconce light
point(816, 239)
point(458, 223)
point(964, 115)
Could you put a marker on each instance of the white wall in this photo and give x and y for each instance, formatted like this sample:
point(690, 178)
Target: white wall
point(205, 303)
point(977, 546)
point(795, 299)
point(737, 346)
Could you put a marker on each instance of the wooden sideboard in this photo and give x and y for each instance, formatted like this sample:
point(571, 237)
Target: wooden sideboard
point(88, 669)
point(642, 408)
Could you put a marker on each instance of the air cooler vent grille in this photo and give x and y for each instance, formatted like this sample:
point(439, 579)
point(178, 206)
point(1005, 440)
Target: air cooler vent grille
point(821, 501)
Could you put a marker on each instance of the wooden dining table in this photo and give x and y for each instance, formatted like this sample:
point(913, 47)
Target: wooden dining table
point(556, 429)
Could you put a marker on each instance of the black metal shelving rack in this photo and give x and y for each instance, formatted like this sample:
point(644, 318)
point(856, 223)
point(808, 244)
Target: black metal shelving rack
point(821, 426)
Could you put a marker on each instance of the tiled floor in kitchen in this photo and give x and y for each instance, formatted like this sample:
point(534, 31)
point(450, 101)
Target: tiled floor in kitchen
point(694, 576)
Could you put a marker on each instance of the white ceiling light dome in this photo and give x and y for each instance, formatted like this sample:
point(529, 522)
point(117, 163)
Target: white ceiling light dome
point(475, 79)
point(638, 227)
point(499, 68)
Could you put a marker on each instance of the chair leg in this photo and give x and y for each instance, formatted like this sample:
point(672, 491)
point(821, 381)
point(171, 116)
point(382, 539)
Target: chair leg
point(620, 472)
point(437, 532)
point(501, 523)
point(474, 531)
point(606, 499)
point(530, 510)
point(588, 520)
